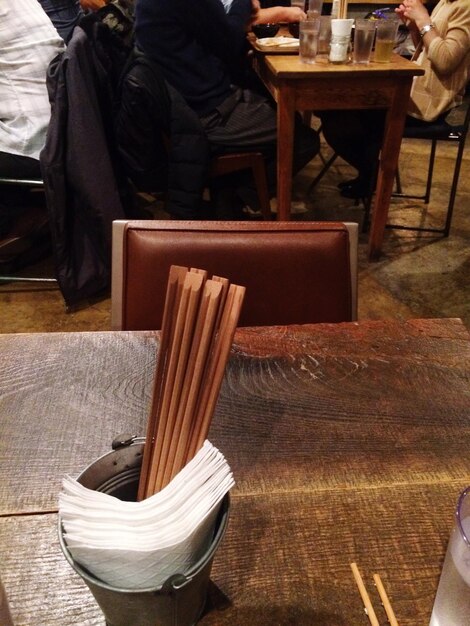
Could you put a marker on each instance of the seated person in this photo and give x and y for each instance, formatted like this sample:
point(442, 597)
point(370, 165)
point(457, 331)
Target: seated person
point(28, 42)
point(202, 50)
point(64, 14)
point(442, 40)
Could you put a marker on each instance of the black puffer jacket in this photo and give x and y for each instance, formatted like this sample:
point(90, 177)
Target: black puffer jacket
point(85, 186)
point(160, 139)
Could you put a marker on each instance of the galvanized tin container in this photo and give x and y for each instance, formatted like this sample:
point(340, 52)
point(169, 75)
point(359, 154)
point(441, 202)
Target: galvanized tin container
point(180, 600)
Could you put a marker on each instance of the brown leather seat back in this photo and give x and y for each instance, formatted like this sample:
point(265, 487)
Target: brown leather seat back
point(294, 273)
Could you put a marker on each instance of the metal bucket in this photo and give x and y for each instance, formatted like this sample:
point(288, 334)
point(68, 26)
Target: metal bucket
point(180, 600)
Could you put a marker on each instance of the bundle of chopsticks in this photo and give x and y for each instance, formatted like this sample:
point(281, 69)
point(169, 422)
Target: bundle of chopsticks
point(199, 321)
point(369, 609)
point(343, 9)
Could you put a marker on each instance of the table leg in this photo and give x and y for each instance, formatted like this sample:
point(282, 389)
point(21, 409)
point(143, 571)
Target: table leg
point(393, 133)
point(285, 148)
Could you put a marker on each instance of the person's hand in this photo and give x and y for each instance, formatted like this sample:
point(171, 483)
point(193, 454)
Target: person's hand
point(255, 8)
point(293, 14)
point(277, 14)
point(413, 11)
point(92, 5)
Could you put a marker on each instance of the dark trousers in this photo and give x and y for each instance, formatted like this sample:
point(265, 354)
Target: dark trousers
point(357, 137)
point(246, 121)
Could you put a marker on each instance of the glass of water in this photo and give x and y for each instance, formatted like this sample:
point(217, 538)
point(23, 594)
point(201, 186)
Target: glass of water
point(308, 40)
point(452, 602)
point(364, 33)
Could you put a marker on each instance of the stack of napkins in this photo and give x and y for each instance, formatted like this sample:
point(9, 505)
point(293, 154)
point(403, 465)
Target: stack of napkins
point(137, 545)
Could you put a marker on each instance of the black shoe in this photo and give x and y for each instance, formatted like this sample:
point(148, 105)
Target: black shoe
point(356, 190)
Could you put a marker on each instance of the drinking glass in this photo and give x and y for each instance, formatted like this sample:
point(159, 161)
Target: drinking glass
point(452, 602)
point(385, 39)
point(314, 9)
point(308, 40)
point(325, 34)
point(364, 32)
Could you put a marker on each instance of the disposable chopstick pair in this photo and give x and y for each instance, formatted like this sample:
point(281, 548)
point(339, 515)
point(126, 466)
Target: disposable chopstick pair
point(366, 599)
point(199, 321)
point(194, 376)
point(216, 367)
point(172, 296)
point(175, 302)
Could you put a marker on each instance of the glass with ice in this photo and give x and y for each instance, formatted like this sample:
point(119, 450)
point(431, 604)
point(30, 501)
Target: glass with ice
point(452, 602)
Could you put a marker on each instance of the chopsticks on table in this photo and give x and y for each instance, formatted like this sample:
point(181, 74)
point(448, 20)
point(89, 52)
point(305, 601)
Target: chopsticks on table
point(369, 609)
point(199, 321)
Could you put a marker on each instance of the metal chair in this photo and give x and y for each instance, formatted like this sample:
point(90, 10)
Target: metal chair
point(31, 183)
point(447, 132)
point(294, 272)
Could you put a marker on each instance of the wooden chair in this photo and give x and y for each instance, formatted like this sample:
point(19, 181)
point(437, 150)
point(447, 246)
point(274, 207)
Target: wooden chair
point(254, 161)
point(294, 272)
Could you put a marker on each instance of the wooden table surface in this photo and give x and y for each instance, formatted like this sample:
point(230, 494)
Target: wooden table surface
point(348, 442)
point(297, 86)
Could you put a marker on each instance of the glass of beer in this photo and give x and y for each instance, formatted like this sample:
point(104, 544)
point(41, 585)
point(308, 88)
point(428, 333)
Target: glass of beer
point(452, 602)
point(385, 40)
point(364, 33)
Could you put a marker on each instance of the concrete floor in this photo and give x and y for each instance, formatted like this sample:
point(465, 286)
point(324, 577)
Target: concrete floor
point(419, 274)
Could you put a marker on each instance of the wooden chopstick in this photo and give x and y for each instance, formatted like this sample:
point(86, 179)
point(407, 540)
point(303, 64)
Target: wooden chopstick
point(369, 609)
point(215, 374)
point(365, 596)
point(385, 601)
point(195, 373)
point(176, 335)
point(175, 280)
point(185, 323)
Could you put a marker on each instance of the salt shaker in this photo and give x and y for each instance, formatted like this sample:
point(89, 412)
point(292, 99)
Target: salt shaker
point(339, 48)
point(340, 40)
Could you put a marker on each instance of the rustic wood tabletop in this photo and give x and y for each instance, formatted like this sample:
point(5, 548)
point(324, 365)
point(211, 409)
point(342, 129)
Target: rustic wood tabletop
point(348, 442)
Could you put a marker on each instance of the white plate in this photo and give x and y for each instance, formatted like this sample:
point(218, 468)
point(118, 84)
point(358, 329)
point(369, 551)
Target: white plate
point(278, 42)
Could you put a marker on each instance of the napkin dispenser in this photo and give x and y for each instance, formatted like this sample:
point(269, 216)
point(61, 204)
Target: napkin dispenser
point(181, 599)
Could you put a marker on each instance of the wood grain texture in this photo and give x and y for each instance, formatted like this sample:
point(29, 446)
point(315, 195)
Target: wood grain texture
point(42, 588)
point(349, 442)
point(63, 399)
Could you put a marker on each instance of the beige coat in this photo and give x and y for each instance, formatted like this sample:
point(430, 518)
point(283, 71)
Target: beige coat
point(447, 62)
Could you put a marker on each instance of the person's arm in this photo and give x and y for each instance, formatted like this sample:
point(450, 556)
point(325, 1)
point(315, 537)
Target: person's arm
point(274, 15)
point(92, 5)
point(444, 52)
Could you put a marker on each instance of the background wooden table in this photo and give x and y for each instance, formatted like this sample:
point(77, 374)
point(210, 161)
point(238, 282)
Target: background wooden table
point(297, 86)
point(348, 442)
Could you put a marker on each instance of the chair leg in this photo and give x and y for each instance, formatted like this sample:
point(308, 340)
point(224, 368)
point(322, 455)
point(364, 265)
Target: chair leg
point(453, 189)
point(321, 173)
point(398, 180)
point(432, 156)
point(259, 175)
